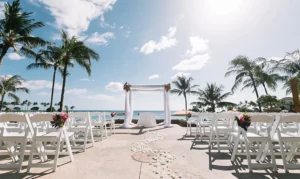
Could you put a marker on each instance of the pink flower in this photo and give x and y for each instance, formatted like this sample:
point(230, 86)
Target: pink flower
point(64, 117)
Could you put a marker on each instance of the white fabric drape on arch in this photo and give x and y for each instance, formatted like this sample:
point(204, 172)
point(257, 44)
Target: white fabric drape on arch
point(129, 105)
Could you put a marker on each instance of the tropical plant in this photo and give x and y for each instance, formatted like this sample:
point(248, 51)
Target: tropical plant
point(28, 104)
point(49, 58)
point(244, 68)
point(73, 49)
point(268, 101)
point(72, 107)
point(10, 86)
point(24, 103)
point(184, 87)
point(35, 108)
point(290, 65)
point(212, 96)
point(265, 76)
point(16, 29)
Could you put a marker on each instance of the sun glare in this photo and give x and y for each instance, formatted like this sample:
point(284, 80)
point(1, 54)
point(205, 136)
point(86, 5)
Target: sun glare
point(223, 7)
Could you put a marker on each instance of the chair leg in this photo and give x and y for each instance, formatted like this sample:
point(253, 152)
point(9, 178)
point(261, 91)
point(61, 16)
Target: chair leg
point(33, 148)
point(22, 151)
point(272, 155)
point(236, 143)
point(283, 156)
point(92, 137)
point(260, 151)
point(248, 156)
point(56, 156)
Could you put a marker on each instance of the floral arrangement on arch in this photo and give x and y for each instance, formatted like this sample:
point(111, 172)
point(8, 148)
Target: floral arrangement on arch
point(59, 120)
point(126, 87)
point(243, 121)
point(112, 114)
point(167, 87)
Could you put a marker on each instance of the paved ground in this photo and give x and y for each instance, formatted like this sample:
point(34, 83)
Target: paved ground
point(113, 158)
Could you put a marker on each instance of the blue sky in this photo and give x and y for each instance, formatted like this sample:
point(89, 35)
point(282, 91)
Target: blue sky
point(151, 41)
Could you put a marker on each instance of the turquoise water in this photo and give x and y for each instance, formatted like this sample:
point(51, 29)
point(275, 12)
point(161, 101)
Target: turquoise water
point(158, 114)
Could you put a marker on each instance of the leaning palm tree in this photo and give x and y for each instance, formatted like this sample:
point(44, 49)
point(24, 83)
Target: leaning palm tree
point(73, 49)
point(184, 87)
point(290, 65)
point(16, 29)
point(265, 76)
point(10, 86)
point(212, 95)
point(49, 58)
point(244, 68)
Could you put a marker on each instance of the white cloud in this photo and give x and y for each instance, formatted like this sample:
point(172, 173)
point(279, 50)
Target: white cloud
point(197, 57)
point(102, 39)
point(135, 48)
point(103, 24)
point(198, 45)
point(76, 91)
point(86, 79)
point(121, 27)
point(56, 36)
point(114, 86)
point(15, 56)
point(194, 63)
point(40, 84)
point(2, 9)
point(153, 77)
point(164, 42)
point(127, 33)
point(102, 97)
point(180, 74)
point(76, 19)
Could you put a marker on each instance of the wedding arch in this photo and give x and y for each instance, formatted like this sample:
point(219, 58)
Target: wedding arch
point(129, 106)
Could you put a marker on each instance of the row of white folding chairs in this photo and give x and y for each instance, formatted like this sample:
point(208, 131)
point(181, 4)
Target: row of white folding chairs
point(36, 127)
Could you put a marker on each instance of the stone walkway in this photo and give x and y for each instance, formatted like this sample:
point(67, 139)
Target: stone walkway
point(172, 156)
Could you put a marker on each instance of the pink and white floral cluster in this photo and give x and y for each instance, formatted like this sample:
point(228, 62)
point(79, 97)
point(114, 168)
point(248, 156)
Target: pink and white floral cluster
point(59, 120)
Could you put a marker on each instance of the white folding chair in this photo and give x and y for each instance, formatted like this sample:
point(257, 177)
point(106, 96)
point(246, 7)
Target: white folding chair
point(43, 137)
point(221, 129)
point(14, 142)
point(99, 124)
point(260, 140)
point(205, 120)
point(83, 129)
point(288, 141)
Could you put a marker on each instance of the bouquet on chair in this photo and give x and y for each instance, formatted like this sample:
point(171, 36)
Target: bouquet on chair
point(59, 120)
point(243, 121)
point(112, 114)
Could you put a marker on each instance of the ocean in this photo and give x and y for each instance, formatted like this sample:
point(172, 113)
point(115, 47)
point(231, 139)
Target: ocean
point(158, 114)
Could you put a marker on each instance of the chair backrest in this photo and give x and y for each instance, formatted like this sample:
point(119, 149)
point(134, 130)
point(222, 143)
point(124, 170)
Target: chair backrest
point(20, 118)
point(97, 117)
point(81, 115)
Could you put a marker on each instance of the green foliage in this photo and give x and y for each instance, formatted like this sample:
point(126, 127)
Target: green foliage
point(268, 101)
point(35, 108)
point(48, 109)
point(183, 86)
point(16, 29)
point(212, 95)
point(10, 86)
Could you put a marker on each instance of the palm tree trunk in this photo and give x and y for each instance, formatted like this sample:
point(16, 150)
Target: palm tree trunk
point(295, 93)
point(3, 53)
point(265, 88)
point(256, 92)
point(63, 88)
point(185, 100)
point(52, 91)
point(1, 104)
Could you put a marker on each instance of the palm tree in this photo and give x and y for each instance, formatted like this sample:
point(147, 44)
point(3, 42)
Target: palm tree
point(265, 76)
point(28, 104)
point(16, 29)
point(72, 107)
point(290, 65)
point(184, 87)
point(10, 86)
point(244, 69)
point(50, 58)
point(24, 103)
point(73, 49)
point(212, 96)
